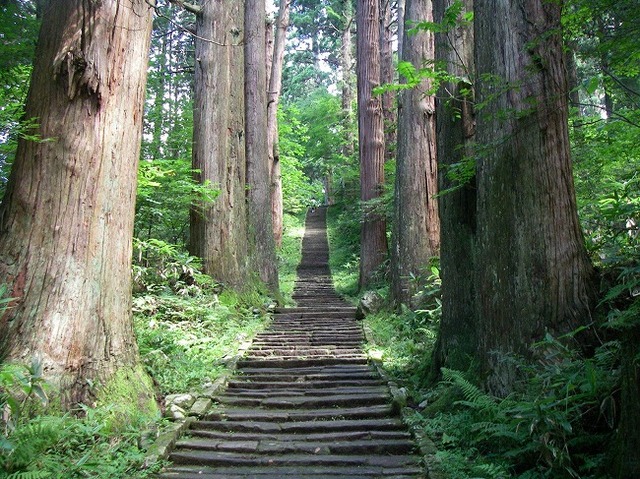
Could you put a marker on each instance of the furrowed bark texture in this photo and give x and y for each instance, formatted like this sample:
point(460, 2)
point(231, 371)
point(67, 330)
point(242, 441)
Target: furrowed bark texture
point(416, 225)
point(373, 240)
point(273, 94)
point(260, 226)
point(219, 230)
point(532, 271)
point(66, 221)
point(455, 129)
point(387, 76)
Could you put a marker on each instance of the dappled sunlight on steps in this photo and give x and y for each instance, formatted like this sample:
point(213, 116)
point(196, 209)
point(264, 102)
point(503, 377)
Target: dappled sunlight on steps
point(304, 402)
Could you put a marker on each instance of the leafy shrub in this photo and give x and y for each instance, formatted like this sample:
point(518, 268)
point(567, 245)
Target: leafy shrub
point(158, 264)
point(344, 245)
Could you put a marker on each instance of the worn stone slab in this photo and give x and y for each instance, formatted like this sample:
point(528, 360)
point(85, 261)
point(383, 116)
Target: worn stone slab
point(201, 406)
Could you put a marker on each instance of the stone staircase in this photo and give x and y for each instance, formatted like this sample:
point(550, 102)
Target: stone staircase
point(303, 403)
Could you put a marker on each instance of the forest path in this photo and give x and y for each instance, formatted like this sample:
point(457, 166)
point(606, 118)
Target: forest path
point(304, 402)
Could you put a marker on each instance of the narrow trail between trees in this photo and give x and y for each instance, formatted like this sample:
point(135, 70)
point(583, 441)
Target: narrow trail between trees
point(304, 402)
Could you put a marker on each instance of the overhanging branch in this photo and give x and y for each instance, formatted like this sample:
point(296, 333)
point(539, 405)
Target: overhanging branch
point(189, 7)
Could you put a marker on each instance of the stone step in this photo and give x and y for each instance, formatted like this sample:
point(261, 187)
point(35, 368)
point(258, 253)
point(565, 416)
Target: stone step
point(301, 427)
point(302, 351)
point(322, 436)
point(222, 458)
point(328, 330)
point(282, 340)
point(304, 401)
point(320, 339)
point(309, 372)
point(275, 447)
point(317, 308)
point(290, 472)
point(320, 414)
point(295, 362)
point(293, 389)
point(302, 384)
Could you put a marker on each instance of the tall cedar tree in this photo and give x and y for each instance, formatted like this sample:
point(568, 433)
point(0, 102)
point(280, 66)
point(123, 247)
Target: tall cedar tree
point(273, 94)
point(347, 83)
point(66, 221)
point(262, 248)
point(455, 125)
point(532, 272)
point(416, 225)
point(387, 73)
point(219, 229)
point(373, 239)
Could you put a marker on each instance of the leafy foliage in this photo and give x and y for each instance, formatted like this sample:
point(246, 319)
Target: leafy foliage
point(557, 425)
point(187, 341)
point(37, 442)
point(19, 27)
point(298, 191)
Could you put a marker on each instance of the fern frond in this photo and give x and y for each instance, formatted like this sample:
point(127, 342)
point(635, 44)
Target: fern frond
point(496, 431)
point(474, 396)
point(491, 471)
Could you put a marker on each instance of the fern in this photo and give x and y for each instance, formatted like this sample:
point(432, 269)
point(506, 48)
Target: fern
point(31, 440)
point(475, 397)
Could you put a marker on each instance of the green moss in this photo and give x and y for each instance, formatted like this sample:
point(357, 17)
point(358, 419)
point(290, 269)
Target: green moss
point(128, 400)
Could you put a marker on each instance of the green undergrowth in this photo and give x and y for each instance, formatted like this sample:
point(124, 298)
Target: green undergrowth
point(188, 328)
point(557, 424)
point(290, 252)
point(344, 245)
point(187, 341)
point(40, 441)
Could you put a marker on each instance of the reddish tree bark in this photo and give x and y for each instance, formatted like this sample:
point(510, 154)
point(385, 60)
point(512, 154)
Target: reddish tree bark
point(416, 225)
point(273, 94)
point(262, 249)
point(373, 239)
point(533, 274)
point(219, 230)
point(66, 221)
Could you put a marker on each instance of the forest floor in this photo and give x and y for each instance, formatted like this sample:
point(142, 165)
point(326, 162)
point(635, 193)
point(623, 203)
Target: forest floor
point(304, 402)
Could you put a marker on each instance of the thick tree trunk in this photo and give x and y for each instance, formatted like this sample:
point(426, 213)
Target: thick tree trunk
point(346, 60)
point(401, 7)
point(373, 239)
point(387, 74)
point(66, 221)
point(455, 129)
point(219, 230)
point(532, 271)
point(262, 248)
point(273, 93)
point(416, 224)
